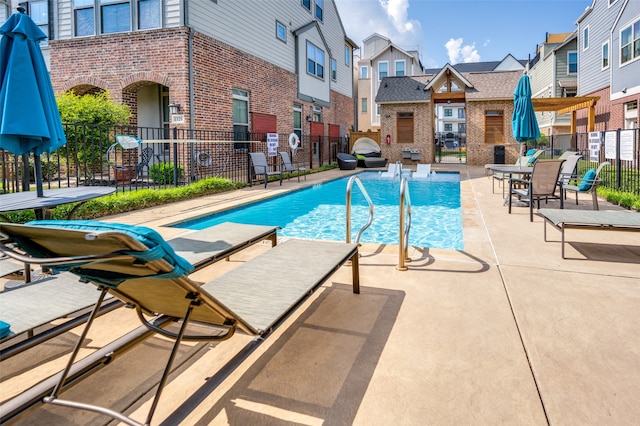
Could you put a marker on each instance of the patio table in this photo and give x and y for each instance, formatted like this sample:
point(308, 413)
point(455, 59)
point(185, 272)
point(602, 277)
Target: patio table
point(511, 170)
point(52, 198)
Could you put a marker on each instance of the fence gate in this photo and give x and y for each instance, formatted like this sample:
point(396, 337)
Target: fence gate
point(451, 148)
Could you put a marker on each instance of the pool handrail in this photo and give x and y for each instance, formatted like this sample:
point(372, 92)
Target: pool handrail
point(403, 244)
point(357, 180)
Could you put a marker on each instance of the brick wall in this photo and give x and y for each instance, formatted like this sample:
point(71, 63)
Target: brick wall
point(479, 152)
point(123, 63)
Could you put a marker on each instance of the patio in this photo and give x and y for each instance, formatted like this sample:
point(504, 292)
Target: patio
point(504, 332)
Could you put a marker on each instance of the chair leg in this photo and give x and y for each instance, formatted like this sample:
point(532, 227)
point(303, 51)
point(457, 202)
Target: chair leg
point(595, 200)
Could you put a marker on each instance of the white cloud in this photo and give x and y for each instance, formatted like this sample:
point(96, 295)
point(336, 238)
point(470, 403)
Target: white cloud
point(458, 53)
point(388, 18)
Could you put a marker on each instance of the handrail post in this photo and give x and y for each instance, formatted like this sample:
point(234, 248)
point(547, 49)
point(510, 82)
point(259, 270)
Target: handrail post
point(403, 242)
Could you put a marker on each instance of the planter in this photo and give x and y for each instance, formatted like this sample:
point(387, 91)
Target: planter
point(124, 174)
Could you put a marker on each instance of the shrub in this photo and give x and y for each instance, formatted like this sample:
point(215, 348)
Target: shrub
point(162, 173)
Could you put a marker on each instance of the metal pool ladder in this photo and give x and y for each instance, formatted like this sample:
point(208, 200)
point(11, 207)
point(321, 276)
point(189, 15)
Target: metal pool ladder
point(405, 197)
point(357, 180)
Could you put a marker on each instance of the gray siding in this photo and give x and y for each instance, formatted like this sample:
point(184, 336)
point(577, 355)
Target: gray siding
point(591, 76)
point(627, 75)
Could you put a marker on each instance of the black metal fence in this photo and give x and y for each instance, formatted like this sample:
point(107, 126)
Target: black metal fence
point(451, 147)
point(164, 158)
point(618, 147)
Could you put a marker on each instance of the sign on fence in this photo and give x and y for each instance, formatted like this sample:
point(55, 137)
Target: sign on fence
point(610, 152)
point(272, 144)
point(594, 146)
point(627, 145)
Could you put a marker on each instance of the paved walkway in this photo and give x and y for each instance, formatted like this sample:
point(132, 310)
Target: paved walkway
point(502, 332)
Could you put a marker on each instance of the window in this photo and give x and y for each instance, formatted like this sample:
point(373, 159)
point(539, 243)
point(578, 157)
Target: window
point(5, 7)
point(383, 70)
point(605, 55)
point(448, 127)
point(319, 9)
point(364, 71)
point(281, 31)
point(569, 93)
point(462, 128)
point(630, 42)
point(39, 12)
point(240, 118)
point(149, 14)
point(572, 62)
point(334, 70)
point(585, 38)
point(399, 68)
point(405, 127)
point(347, 55)
point(493, 127)
point(317, 114)
point(83, 17)
point(315, 61)
point(448, 112)
point(378, 109)
point(306, 4)
point(297, 120)
point(365, 105)
point(115, 16)
point(461, 113)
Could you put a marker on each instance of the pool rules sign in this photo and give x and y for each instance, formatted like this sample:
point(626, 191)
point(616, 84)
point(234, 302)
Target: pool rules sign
point(272, 144)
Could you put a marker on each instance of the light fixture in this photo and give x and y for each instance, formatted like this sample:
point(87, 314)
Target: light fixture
point(309, 118)
point(174, 108)
point(624, 90)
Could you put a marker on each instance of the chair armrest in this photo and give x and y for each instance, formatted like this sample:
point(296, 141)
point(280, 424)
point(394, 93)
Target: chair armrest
point(518, 180)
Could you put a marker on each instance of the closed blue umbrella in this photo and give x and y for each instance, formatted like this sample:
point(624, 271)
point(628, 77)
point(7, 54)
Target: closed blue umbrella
point(523, 122)
point(29, 116)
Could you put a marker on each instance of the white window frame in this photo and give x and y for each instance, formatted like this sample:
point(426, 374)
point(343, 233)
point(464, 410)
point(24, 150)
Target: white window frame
point(404, 67)
point(302, 2)
point(347, 55)
point(606, 57)
point(364, 72)
point(380, 77)
point(364, 105)
point(585, 38)
point(243, 96)
point(447, 112)
point(43, 25)
point(635, 38)
point(297, 110)
point(569, 53)
point(280, 25)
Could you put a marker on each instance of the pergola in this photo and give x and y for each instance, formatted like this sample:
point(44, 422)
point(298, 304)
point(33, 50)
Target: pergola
point(569, 105)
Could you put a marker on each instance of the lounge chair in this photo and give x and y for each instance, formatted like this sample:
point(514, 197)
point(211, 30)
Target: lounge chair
point(393, 170)
point(137, 266)
point(422, 171)
point(199, 248)
point(588, 184)
point(589, 219)
point(542, 185)
point(347, 161)
point(8, 267)
point(261, 168)
point(290, 167)
point(568, 154)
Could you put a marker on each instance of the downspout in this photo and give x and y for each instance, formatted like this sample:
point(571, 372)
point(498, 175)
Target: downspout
point(190, 59)
point(554, 75)
point(191, 95)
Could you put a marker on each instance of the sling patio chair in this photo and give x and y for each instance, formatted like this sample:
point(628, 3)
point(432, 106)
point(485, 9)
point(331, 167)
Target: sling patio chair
point(587, 185)
point(568, 170)
point(261, 168)
point(290, 167)
point(541, 185)
point(136, 265)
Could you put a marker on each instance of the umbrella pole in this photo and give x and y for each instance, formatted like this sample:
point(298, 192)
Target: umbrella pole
point(37, 166)
point(26, 176)
point(520, 157)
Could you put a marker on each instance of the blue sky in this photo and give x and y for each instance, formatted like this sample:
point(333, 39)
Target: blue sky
point(457, 31)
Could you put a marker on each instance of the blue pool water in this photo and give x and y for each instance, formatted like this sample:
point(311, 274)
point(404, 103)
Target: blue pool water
point(319, 212)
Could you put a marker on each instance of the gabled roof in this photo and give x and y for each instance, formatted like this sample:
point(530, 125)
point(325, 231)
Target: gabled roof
point(389, 47)
point(402, 90)
point(440, 76)
point(485, 66)
point(495, 85)
point(307, 27)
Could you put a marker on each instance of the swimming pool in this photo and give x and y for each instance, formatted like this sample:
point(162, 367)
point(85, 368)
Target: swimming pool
point(319, 212)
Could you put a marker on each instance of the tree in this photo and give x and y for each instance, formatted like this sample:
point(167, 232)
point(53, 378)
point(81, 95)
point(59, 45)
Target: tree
point(89, 121)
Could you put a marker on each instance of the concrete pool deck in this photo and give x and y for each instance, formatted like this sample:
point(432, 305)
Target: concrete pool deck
point(502, 332)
